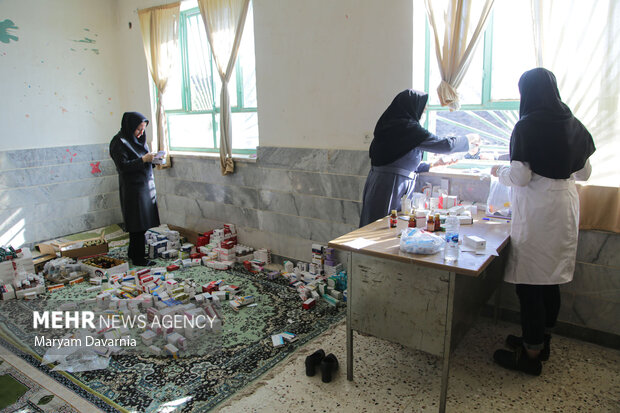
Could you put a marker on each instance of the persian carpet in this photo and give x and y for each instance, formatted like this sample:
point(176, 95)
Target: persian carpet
point(218, 365)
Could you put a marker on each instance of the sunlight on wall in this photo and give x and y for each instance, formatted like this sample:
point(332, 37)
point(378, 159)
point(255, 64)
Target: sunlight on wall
point(13, 235)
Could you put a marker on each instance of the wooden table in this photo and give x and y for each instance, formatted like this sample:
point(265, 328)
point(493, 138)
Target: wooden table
point(418, 300)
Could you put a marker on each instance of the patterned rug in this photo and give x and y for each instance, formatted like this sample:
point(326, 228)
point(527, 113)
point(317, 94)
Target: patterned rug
point(218, 365)
point(19, 393)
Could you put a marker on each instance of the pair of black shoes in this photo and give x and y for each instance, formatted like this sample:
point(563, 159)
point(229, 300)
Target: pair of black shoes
point(328, 365)
point(518, 359)
point(515, 342)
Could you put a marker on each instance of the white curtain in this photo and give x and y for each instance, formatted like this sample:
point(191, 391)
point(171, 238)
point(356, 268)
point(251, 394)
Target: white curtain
point(457, 27)
point(579, 42)
point(160, 34)
point(224, 21)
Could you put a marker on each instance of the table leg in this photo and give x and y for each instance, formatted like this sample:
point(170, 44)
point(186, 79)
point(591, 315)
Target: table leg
point(349, 354)
point(349, 325)
point(445, 368)
point(498, 300)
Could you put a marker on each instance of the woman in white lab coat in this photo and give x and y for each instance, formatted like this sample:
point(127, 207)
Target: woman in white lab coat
point(549, 150)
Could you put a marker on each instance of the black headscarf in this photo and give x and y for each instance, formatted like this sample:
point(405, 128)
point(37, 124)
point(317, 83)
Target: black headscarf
point(129, 124)
point(547, 135)
point(398, 130)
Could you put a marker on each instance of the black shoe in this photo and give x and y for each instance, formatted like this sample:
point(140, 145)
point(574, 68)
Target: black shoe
point(518, 360)
point(515, 342)
point(143, 262)
point(314, 360)
point(328, 366)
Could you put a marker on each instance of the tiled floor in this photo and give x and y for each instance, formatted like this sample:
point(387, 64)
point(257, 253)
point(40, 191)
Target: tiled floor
point(579, 377)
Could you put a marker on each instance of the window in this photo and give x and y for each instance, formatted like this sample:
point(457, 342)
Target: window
point(192, 97)
point(489, 92)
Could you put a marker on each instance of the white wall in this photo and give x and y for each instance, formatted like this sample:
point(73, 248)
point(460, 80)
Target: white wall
point(327, 69)
point(60, 79)
point(135, 81)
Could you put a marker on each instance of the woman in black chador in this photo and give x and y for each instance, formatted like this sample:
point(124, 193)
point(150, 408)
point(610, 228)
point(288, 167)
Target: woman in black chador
point(133, 161)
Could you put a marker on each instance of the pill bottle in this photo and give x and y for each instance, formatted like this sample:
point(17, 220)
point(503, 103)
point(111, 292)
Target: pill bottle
point(430, 223)
point(393, 219)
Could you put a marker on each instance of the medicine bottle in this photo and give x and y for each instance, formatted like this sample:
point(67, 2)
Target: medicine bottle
point(412, 220)
point(393, 219)
point(430, 223)
point(437, 222)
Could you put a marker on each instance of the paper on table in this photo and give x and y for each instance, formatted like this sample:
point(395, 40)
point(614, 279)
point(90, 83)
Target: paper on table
point(486, 251)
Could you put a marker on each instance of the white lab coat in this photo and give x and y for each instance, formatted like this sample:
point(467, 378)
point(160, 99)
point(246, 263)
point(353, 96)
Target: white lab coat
point(545, 225)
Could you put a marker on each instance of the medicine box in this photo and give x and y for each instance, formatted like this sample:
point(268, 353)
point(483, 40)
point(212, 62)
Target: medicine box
point(475, 242)
point(277, 340)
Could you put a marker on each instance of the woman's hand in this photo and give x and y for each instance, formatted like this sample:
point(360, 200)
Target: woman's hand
point(474, 143)
point(442, 162)
point(148, 157)
point(494, 169)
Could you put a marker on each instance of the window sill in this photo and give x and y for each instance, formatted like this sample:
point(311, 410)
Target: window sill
point(463, 169)
point(210, 155)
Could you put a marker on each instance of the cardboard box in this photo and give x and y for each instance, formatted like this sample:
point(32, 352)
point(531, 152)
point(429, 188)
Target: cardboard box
point(191, 236)
point(40, 259)
point(73, 249)
point(67, 251)
point(47, 247)
point(119, 266)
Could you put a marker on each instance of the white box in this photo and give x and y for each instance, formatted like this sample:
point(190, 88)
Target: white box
point(456, 210)
point(171, 350)
point(148, 336)
point(23, 263)
point(277, 340)
point(473, 241)
point(39, 289)
point(465, 219)
point(173, 338)
point(155, 350)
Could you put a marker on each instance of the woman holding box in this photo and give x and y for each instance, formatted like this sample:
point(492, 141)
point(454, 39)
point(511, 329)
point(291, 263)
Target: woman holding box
point(134, 164)
point(549, 149)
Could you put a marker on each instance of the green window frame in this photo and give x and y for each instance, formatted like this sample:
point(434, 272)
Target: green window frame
point(186, 92)
point(508, 108)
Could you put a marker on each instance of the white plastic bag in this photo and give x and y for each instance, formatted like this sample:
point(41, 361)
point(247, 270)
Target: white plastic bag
point(498, 203)
point(417, 241)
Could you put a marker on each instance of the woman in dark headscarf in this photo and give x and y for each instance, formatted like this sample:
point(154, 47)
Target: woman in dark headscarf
point(133, 161)
point(396, 152)
point(549, 149)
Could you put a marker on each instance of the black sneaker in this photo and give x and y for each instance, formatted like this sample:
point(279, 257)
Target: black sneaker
point(515, 342)
point(518, 360)
point(328, 366)
point(314, 360)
